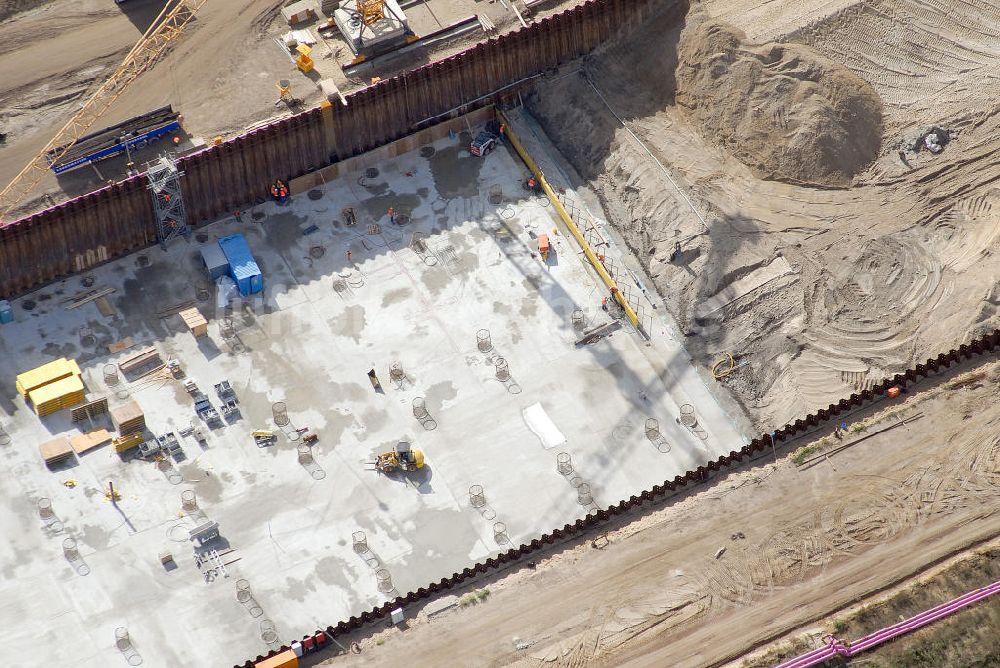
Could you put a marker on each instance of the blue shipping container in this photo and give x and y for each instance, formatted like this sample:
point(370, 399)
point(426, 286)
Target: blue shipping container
point(242, 266)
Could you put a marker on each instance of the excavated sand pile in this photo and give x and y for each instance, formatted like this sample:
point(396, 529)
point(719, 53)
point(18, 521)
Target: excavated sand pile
point(783, 110)
point(882, 274)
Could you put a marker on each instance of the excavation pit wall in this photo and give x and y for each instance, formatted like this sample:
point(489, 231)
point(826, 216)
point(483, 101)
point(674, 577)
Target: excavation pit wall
point(783, 440)
point(118, 219)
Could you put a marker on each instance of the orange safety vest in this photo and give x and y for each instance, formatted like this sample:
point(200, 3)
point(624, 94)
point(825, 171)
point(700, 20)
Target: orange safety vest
point(531, 182)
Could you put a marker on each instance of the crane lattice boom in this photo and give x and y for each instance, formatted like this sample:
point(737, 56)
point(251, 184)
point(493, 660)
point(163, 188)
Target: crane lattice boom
point(165, 29)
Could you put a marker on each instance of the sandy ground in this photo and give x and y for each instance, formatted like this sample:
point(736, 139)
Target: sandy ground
point(815, 538)
point(220, 75)
point(967, 638)
point(883, 270)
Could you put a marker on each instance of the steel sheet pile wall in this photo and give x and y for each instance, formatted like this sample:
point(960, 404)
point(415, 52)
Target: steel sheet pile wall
point(223, 178)
point(74, 235)
point(988, 344)
point(395, 107)
point(119, 219)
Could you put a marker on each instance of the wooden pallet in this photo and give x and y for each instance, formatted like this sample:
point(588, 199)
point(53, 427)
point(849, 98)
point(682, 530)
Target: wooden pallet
point(82, 443)
point(90, 409)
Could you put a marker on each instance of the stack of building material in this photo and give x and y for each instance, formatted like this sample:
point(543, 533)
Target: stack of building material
point(242, 265)
point(124, 443)
point(45, 374)
point(286, 659)
point(57, 395)
point(56, 450)
point(195, 321)
point(299, 12)
point(140, 362)
point(128, 419)
point(85, 442)
point(90, 410)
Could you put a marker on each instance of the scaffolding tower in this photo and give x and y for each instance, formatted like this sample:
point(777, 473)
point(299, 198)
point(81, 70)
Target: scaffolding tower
point(168, 202)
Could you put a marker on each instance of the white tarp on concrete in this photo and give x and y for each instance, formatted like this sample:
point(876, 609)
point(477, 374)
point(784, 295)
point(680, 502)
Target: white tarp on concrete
point(542, 425)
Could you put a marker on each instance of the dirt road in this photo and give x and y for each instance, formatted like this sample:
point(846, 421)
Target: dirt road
point(816, 539)
point(220, 74)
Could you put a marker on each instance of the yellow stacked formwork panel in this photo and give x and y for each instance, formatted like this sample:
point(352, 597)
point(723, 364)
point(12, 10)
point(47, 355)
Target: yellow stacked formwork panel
point(45, 374)
point(57, 395)
point(125, 443)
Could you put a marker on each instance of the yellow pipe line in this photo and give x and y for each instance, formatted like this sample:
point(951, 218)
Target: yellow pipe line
point(580, 239)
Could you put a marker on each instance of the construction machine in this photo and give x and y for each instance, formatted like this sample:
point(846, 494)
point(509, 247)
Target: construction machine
point(483, 143)
point(402, 458)
point(264, 437)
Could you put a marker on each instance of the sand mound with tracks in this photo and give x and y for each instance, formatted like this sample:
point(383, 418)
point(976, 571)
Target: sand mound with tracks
point(783, 110)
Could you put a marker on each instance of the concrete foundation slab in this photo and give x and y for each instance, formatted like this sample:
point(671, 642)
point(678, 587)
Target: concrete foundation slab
point(338, 301)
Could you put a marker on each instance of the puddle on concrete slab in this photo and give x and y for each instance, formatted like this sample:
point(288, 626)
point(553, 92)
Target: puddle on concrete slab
point(351, 323)
point(206, 485)
point(456, 172)
point(333, 571)
point(282, 230)
point(396, 296)
point(374, 419)
point(529, 306)
point(435, 279)
point(378, 207)
point(297, 589)
point(439, 393)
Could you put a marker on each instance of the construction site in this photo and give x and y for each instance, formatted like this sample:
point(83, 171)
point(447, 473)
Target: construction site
point(615, 332)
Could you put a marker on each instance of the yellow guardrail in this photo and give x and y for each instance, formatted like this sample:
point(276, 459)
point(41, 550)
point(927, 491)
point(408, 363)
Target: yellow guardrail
point(568, 220)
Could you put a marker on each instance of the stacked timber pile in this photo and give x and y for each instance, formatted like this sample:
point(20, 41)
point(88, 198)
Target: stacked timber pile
point(47, 373)
point(52, 387)
point(128, 419)
point(140, 363)
point(56, 450)
point(58, 395)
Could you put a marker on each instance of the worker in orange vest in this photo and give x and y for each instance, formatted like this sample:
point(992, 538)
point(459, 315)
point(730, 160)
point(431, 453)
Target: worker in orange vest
point(279, 191)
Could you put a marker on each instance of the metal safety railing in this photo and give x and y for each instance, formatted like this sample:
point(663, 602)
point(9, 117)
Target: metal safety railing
point(564, 215)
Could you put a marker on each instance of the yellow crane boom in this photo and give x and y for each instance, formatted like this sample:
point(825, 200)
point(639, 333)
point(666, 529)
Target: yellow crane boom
point(165, 29)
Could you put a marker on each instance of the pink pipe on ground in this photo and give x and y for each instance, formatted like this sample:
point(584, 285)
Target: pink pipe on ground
point(835, 647)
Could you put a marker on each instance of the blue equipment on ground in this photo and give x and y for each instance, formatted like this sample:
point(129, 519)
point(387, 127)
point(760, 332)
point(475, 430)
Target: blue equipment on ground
point(242, 265)
point(135, 132)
